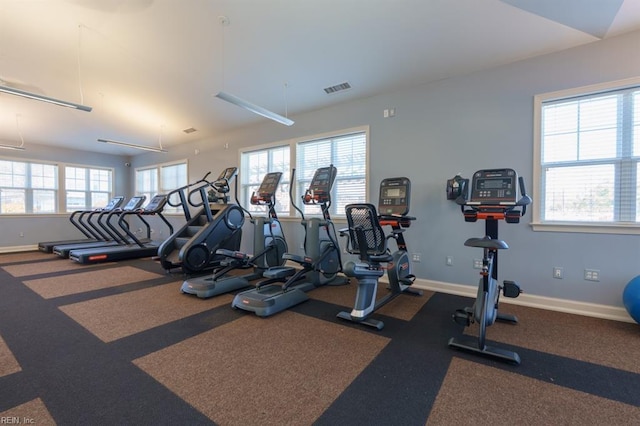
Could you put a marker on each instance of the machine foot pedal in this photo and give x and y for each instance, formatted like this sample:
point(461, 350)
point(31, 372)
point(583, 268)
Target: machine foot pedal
point(379, 325)
point(511, 289)
point(462, 317)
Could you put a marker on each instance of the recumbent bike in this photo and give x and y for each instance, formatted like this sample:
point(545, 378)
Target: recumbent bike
point(366, 238)
point(494, 197)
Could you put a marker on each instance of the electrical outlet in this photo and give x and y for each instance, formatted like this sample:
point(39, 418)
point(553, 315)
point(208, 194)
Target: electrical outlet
point(416, 257)
point(449, 261)
point(558, 272)
point(477, 263)
point(592, 274)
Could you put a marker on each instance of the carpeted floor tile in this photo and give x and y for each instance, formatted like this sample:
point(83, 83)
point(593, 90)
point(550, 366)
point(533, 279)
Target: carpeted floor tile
point(262, 371)
point(37, 268)
point(8, 364)
point(474, 394)
point(32, 412)
point(403, 307)
point(593, 340)
point(113, 317)
point(86, 281)
point(25, 256)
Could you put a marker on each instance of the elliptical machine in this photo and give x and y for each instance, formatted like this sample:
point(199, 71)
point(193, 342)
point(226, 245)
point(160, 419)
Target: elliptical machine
point(268, 247)
point(320, 264)
point(366, 238)
point(494, 197)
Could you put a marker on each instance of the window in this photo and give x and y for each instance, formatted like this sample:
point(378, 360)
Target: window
point(346, 150)
point(27, 187)
point(87, 188)
point(255, 165)
point(348, 154)
point(588, 157)
point(161, 179)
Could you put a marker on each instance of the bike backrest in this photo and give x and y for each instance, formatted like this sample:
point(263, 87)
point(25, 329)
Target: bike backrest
point(365, 232)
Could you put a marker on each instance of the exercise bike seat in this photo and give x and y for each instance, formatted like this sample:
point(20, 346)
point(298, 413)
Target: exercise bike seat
point(486, 242)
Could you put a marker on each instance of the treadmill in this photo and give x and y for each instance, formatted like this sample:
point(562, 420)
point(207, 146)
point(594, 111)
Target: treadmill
point(87, 230)
point(109, 238)
point(136, 248)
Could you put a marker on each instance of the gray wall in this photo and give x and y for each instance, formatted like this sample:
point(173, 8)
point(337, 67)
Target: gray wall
point(460, 125)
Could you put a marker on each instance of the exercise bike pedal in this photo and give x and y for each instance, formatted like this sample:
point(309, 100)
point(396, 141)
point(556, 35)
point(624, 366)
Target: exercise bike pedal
point(510, 289)
point(462, 317)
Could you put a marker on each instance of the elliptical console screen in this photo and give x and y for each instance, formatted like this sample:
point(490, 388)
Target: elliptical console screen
point(495, 186)
point(267, 189)
point(322, 182)
point(394, 196)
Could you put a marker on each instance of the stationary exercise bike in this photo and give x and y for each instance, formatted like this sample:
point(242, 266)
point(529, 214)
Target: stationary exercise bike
point(366, 238)
point(269, 245)
point(494, 197)
point(320, 265)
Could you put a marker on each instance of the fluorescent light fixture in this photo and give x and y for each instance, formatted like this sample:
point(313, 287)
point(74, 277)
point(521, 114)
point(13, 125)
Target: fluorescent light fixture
point(254, 108)
point(132, 145)
point(18, 92)
point(14, 147)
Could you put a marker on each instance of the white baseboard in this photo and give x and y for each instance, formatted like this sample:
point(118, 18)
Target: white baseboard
point(16, 249)
point(531, 300)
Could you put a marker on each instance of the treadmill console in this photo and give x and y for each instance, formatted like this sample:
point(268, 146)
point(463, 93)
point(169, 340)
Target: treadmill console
point(156, 204)
point(394, 197)
point(320, 187)
point(267, 190)
point(113, 203)
point(134, 203)
point(496, 186)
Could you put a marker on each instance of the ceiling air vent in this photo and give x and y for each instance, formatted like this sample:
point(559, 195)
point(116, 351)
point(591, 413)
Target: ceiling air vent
point(189, 130)
point(337, 88)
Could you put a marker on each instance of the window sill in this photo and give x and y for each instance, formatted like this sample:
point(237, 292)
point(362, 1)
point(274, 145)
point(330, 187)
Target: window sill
point(588, 228)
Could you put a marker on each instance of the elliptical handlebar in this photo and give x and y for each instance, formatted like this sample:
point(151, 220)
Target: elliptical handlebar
point(291, 184)
point(182, 188)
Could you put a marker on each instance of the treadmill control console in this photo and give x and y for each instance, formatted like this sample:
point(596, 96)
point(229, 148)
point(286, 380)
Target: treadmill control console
point(155, 205)
point(135, 203)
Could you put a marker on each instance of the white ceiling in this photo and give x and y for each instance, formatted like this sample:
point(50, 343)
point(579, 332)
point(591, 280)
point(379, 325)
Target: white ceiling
point(151, 68)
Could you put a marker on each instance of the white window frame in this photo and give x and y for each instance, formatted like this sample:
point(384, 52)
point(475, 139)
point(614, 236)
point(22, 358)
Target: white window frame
point(582, 227)
point(87, 190)
point(293, 143)
point(168, 210)
point(29, 190)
